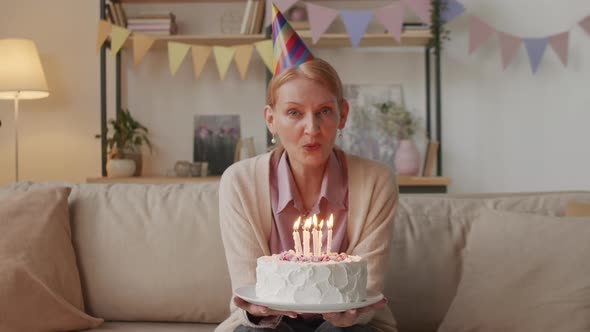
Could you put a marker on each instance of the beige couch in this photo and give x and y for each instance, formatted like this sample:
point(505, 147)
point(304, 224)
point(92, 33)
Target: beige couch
point(150, 257)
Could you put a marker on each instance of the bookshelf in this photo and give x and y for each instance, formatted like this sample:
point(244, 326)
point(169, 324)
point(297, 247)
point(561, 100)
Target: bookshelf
point(407, 184)
point(334, 40)
point(410, 38)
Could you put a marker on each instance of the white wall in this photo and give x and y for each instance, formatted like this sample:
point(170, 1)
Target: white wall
point(502, 131)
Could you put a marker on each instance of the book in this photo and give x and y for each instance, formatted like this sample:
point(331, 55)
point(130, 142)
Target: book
point(246, 19)
point(259, 18)
point(430, 158)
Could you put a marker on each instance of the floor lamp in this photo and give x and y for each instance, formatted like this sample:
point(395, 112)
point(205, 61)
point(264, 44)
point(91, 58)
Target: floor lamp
point(21, 77)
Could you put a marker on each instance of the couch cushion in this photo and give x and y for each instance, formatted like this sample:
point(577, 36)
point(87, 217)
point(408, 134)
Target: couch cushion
point(523, 272)
point(39, 280)
point(577, 209)
point(153, 327)
point(428, 237)
point(149, 252)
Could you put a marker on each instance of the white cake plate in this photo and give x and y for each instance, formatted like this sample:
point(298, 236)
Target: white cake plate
point(248, 293)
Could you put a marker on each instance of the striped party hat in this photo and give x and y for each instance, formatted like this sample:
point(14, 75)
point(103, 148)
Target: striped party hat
point(289, 50)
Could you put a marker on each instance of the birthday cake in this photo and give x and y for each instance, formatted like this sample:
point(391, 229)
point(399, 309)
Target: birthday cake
point(324, 279)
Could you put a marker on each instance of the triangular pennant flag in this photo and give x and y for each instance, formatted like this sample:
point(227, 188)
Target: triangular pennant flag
point(452, 9)
point(200, 55)
point(141, 44)
point(282, 5)
point(392, 18)
point(104, 29)
point(320, 19)
point(560, 43)
point(535, 48)
point(265, 51)
point(356, 22)
point(242, 58)
point(479, 32)
point(118, 37)
point(509, 46)
point(223, 57)
point(421, 8)
point(176, 53)
point(585, 24)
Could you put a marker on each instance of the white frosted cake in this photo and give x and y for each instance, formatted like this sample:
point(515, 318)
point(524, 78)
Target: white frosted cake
point(291, 278)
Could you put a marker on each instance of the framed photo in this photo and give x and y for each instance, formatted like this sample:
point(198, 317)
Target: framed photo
point(215, 139)
point(363, 136)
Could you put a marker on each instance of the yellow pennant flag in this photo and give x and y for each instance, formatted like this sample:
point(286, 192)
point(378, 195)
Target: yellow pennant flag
point(118, 37)
point(242, 57)
point(200, 56)
point(264, 49)
point(223, 57)
point(176, 53)
point(104, 29)
point(141, 44)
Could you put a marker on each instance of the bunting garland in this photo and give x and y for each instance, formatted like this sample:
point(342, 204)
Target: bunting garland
point(480, 31)
point(355, 22)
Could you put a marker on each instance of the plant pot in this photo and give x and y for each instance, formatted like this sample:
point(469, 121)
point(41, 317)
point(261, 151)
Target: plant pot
point(137, 157)
point(117, 168)
point(407, 158)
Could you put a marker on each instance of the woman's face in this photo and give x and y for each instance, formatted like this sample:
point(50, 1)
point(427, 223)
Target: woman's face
point(306, 119)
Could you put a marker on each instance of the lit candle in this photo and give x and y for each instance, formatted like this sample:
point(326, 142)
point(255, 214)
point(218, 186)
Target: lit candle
point(320, 236)
point(329, 240)
point(306, 227)
point(296, 238)
point(314, 235)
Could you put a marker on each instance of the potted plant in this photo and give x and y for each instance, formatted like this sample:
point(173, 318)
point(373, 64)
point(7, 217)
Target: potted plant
point(396, 119)
point(124, 145)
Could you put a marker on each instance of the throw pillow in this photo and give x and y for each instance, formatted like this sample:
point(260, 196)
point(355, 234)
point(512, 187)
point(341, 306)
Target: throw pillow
point(577, 209)
point(39, 282)
point(523, 273)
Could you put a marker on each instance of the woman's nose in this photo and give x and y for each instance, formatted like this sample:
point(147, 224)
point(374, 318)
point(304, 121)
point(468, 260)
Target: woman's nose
point(312, 124)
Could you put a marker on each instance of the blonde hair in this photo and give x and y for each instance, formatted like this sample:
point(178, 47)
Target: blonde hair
point(316, 70)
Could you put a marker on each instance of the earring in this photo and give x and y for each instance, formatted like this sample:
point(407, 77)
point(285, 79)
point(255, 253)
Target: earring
point(340, 133)
point(273, 140)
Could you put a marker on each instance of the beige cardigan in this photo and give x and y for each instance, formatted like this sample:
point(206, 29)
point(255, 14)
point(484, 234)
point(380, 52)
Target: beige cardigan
point(246, 216)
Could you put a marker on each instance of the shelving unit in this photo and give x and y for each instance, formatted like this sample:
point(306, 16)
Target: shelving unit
point(409, 39)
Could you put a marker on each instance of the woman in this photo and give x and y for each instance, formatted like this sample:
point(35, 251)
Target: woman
point(261, 197)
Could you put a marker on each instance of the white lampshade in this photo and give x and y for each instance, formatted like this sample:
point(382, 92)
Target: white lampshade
point(21, 71)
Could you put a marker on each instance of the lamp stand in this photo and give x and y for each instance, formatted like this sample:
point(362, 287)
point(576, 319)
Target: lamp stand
point(16, 136)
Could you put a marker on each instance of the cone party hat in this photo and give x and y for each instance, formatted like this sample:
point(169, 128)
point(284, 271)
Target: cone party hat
point(289, 50)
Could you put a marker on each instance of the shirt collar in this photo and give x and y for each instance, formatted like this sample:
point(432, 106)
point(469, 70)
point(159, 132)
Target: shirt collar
point(332, 189)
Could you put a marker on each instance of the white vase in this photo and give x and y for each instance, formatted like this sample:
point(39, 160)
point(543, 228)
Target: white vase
point(407, 158)
point(117, 168)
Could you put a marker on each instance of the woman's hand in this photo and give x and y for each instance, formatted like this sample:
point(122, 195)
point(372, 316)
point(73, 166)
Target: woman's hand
point(260, 310)
point(349, 317)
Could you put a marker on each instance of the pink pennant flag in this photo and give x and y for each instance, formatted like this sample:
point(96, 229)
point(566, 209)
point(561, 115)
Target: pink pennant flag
point(320, 19)
point(282, 5)
point(479, 32)
point(509, 45)
point(585, 24)
point(559, 43)
point(421, 8)
point(392, 18)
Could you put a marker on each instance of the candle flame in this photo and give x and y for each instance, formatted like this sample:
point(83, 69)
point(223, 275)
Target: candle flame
point(322, 224)
point(331, 221)
point(315, 221)
point(307, 224)
point(296, 225)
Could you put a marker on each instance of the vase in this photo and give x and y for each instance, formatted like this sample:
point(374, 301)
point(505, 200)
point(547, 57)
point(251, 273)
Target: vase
point(407, 158)
point(117, 168)
point(137, 157)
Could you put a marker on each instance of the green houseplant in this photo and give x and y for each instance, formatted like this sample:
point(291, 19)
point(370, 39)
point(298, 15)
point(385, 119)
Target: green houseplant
point(127, 136)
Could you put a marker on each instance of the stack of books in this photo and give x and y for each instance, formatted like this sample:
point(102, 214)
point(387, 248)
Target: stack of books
point(153, 24)
point(253, 20)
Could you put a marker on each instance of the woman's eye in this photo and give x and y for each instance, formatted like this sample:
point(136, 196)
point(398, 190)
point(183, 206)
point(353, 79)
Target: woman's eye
point(326, 111)
point(292, 112)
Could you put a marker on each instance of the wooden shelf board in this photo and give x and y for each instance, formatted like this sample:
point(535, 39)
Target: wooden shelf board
point(401, 180)
point(409, 38)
